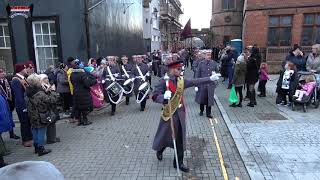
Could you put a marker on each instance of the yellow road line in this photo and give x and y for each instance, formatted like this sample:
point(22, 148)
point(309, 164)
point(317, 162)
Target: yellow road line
point(237, 178)
point(223, 168)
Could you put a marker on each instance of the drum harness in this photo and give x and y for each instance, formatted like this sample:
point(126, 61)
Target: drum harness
point(113, 79)
point(144, 80)
point(128, 78)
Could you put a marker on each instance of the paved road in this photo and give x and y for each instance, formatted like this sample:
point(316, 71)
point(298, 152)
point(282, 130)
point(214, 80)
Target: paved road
point(274, 141)
point(119, 147)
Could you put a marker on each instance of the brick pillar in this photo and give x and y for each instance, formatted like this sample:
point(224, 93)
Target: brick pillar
point(297, 28)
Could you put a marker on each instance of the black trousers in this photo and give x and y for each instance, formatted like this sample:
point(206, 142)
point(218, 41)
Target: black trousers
point(25, 126)
point(262, 87)
point(208, 109)
point(66, 100)
point(82, 116)
point(127, 99)
point(239, 92)
point(143, 104)
point(282, 96)
point(252, 93)
point(113, 107)
point(51, 132)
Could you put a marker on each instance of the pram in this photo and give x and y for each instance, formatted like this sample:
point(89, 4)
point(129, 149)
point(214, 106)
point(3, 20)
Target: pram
point(313, 98)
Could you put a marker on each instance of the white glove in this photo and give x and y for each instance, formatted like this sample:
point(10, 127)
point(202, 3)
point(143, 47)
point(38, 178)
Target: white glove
point(214, 77)
point(148, 74)
point(103, 81)
point(196, 89)
point(116, 75)
point(25, 110)
point(167, 95)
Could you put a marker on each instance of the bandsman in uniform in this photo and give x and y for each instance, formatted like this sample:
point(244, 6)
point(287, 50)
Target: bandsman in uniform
point(141, 74)
point(129, 69)
point(112, 70)
point(162, 94)
point(205, 92)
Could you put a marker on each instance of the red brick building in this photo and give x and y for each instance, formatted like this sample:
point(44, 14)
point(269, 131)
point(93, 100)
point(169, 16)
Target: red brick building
point(276, 25)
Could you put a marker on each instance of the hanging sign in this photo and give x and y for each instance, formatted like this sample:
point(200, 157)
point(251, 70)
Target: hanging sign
point(24, 11)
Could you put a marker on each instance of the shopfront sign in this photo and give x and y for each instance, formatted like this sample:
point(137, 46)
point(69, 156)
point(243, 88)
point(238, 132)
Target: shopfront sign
point(24, 11)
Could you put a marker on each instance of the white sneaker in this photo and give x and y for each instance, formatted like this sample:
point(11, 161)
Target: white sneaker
point(298, 99)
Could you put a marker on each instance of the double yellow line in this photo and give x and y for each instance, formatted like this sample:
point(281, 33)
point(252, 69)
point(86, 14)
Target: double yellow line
point(223, 168)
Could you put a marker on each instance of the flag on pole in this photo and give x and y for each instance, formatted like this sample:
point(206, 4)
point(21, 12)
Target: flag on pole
point(186, 33)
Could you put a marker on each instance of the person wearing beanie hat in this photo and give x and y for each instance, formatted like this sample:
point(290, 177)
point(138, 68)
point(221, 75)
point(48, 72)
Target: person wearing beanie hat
point(19, 85)
point(170, 89)
point(239, 75)
point(82, 101)
point(29, 67)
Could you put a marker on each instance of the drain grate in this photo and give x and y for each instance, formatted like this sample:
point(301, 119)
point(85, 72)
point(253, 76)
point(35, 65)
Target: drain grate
point(270, 116)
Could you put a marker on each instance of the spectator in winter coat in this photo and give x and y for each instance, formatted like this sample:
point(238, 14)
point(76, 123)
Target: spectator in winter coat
point(286, 84)
point(313, 60)
point(263, 79)
point(19, 85)
point(82, 101)
point(296, 57)
point(252, 77)
point(63, 87)
point(239, 77)
point(39, 102)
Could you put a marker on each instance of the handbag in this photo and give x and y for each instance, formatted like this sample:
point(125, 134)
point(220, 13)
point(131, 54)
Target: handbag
point(47, 118)
point(97, 95)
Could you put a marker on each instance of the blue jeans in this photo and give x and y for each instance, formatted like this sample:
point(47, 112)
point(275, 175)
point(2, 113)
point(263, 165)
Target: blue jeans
point(38, 135)
point(230, 74)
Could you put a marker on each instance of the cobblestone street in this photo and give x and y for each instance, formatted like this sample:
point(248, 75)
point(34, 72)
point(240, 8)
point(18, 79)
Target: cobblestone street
point(274, 141)
point(119, 147)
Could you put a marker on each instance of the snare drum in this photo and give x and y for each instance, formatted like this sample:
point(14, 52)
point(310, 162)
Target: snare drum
point(144, 89)
point(114, 89)
point(128, 86)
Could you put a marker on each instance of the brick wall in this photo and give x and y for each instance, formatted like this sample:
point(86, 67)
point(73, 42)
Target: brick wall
point(255, 27)
point(267, 4)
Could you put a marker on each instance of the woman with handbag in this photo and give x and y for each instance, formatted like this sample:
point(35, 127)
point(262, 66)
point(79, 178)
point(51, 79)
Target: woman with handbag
point(39, 103)
point(51, 129)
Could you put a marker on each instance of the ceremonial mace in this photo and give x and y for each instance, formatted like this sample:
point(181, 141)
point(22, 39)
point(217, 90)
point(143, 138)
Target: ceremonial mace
point(166, 78)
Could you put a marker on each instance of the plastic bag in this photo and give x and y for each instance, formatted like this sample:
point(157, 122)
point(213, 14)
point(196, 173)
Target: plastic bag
point(233, 98)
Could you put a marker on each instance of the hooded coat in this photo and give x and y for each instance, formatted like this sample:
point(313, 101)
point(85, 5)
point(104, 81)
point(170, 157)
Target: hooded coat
point(39, 101)
point(82, 81)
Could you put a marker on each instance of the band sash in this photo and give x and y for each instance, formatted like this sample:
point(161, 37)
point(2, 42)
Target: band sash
point(175, 101)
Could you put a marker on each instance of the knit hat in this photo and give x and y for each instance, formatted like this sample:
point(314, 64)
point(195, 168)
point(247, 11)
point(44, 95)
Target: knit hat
point(29, 63)
point(19, 67)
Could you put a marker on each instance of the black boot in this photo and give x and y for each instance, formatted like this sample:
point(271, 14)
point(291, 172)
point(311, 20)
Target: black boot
point(2, 163)
point(127, 100)
point(201, 113)
point(36, 149)
point(42, 151)
point(86, 122)
point(159, 155)
point(80, 122)
point(13, 135)
point(182, 167)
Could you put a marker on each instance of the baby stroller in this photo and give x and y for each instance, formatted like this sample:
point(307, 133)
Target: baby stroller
point(306, 100)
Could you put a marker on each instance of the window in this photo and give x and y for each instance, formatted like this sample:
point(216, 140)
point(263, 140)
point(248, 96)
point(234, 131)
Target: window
point(279, 33)
point(4, 37)
point(45, 44)
point(311, 29)
point(228, 4)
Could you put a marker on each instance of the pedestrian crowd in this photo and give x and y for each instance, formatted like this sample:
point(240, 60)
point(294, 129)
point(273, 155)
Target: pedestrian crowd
point(74, 88)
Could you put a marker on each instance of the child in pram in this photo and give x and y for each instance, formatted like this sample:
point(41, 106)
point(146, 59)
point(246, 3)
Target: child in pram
point(305, 88)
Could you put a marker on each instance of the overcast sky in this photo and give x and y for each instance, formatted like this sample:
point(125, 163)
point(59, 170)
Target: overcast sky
point(199, 11)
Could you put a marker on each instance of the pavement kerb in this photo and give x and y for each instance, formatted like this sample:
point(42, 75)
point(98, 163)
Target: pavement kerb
point(253, 169)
